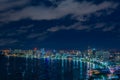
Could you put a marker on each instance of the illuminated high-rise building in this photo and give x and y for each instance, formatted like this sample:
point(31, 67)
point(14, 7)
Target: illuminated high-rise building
point(89, 51)
point(43, 51)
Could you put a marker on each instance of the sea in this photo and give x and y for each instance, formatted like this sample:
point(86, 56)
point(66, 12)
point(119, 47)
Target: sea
point(17, 68)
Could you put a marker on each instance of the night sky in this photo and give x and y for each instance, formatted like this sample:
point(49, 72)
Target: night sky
point(60, 24)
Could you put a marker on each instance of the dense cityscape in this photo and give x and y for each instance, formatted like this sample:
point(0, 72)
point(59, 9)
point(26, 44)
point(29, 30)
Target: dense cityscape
point(109, 60)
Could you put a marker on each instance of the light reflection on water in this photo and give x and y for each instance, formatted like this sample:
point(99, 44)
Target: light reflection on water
point(43, 69)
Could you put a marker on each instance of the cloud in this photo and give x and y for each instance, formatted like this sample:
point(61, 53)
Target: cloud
point(108, 28)
point(42, 38)
point(76, 26)
point(7, 4)
point(79, 26)
point(26, 27)
point(13, 31)
point(11, 34)
point(4, 42)
point(99, 25)
point(36, 35)
point(64, 8)
point(54, 29)
point(21, 31)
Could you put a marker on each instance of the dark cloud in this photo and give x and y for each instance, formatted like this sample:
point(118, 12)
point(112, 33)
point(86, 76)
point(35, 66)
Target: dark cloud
point(42, 21)
point(4, 42)
point(48, 13)
point(6, 4)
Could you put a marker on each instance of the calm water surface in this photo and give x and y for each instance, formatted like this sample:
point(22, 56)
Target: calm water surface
point(42, 69)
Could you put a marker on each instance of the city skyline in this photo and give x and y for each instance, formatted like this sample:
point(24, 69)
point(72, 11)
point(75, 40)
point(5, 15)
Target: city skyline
point(60, 24)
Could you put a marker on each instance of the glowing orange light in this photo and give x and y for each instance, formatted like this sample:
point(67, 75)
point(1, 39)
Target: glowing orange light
point(35, 49)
